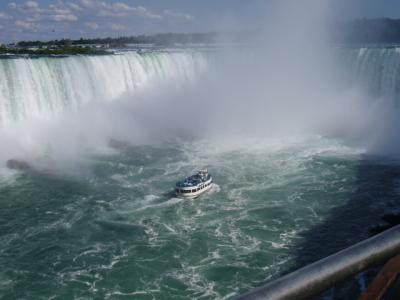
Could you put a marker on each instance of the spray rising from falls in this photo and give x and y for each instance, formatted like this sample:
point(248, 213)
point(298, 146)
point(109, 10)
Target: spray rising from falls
point(67, 104)
point(45, 87)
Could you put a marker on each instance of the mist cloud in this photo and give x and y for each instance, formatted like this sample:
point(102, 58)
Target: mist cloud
point(286, 83)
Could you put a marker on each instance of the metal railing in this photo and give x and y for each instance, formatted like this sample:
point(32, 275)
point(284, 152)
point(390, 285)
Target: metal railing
point(319, 276)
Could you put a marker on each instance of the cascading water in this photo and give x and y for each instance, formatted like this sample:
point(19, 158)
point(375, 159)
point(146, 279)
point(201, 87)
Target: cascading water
point(45, 87)
point(375, 69)
point(114, 230)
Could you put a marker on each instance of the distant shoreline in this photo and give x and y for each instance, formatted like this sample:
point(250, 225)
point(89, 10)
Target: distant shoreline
point(368, 32)
point(56, 51)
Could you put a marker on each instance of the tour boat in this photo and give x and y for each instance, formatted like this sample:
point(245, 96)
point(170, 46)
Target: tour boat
point(194, 185)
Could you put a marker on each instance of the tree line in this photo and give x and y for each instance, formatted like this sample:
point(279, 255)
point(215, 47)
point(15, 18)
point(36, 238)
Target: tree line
point(383, 30)
point(157, 39)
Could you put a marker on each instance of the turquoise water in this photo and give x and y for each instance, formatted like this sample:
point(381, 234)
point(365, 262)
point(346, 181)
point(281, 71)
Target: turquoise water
point(118, 232)
point(97, 221)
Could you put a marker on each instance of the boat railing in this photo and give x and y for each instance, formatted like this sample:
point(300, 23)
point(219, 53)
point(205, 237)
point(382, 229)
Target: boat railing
point(318, 277)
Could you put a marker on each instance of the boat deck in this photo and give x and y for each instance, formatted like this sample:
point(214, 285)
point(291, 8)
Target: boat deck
point(192, 181)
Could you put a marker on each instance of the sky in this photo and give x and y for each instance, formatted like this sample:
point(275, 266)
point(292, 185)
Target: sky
point(51, 19)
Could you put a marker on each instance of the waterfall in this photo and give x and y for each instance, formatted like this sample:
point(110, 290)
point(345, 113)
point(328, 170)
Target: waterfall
point(375, 69)
point(45, 87)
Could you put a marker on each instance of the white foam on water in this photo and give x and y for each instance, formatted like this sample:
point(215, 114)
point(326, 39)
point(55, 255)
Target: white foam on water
point(116, 259)
point(198, 287)
point(93, 251)
point(150, 198)
point(279, 245)
point(7, 176)
point(6, 283)
point(212, 258)
point(236, 182)
point(215, 188)
point(169, 228)
point(7, 239)
point(140, 170)
point(111, 295)
point(170, 202)
point(289, 236)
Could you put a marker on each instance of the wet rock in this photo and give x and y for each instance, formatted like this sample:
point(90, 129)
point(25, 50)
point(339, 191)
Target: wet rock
point(16, 164)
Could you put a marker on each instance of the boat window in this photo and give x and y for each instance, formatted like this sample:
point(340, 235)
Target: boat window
point(193, 191)
point(177, 190)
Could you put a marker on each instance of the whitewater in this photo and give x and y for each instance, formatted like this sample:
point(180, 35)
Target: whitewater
point(108, 136)
point(45, 87)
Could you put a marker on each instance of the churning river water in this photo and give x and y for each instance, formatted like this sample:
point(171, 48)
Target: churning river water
point(115, 230)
